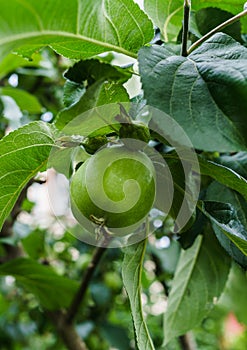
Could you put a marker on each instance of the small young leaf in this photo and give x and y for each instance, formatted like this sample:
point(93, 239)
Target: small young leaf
point(23, 153)
point(199, 280)
point(132, 271)
point(52, 290)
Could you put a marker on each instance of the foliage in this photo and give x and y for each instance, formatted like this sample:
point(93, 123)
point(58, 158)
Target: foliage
point(76, 75)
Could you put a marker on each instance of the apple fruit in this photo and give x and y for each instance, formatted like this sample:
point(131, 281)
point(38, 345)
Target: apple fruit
point(115, 187)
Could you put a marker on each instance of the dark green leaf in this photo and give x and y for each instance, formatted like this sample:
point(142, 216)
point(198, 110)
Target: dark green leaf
point(210, 17)
point(237, 162)
point(224, 175)
point(93, 70)
point(52, 290)
point(199, 280)
point(131, 272)
point(33, 244)
point(229, 219)
point(72, 93)
point(23, 153)
point(205, 93)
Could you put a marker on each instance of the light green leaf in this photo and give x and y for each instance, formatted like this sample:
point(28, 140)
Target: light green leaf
point(234, 299)
point(206, 93)
point(132, 272)
point(23, 153)
point(52, 290)
point(11, 62)
point(199, 280)
point(23, 99)
point(73, 28)
point(168, 15)
point(84, 118)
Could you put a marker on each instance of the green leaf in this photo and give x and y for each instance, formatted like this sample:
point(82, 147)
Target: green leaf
point(226, 221)
point(85, 73)
point(199, 280)
point(206, 93)
point(84, 118)
point(224, 175)
point(93, 70)
point(233, 299)
point(237, 162)
point(228, 213)
point(168, 15)
point(233, 6)
point(132, 272)
point(24, 100)
point(74, 29)
point(33, 244)
point(23, 153)
point(185, 189)
point(11, 62)
point(52, 290)
point(210, 17)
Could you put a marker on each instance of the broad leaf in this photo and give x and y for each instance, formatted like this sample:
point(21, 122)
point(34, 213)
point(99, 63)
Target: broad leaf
point(233, 6)
point(85, 73)
point(53, 291)
point(93, 70)
point(168, 15)
point(75, 29)
point(210, 17)
point(228, 213)
point(199, 280)
point(132, 272)
point(84, 118)
point(23, 153)
point(24, 100)
point(206, 93)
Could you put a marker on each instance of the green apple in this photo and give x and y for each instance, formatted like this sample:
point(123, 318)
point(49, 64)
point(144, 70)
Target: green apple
point(114, 187)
